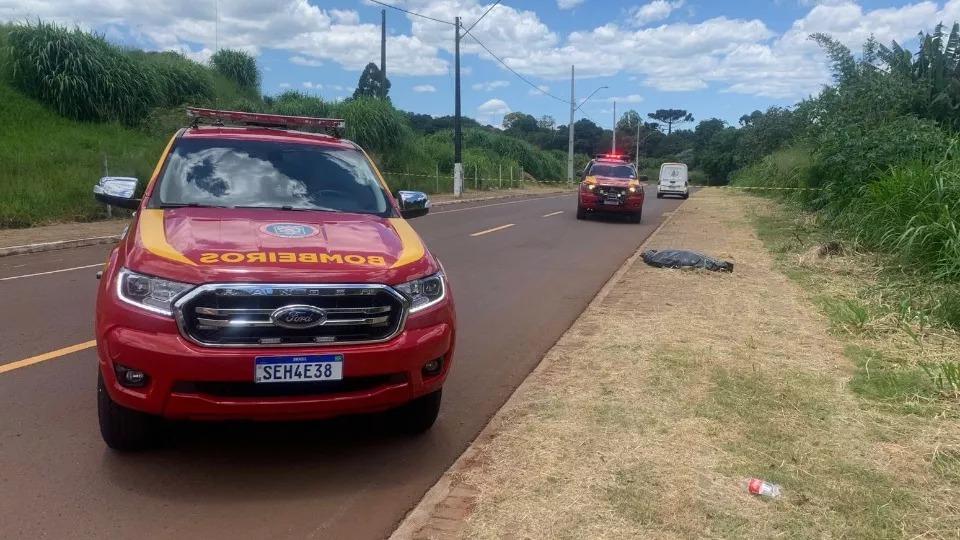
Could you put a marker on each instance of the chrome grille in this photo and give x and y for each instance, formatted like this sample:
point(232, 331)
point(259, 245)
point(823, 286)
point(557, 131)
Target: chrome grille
point(232, 315)
point(610, 191)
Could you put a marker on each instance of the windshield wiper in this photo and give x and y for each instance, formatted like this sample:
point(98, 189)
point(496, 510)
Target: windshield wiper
point(189, 205)
point(292, 208)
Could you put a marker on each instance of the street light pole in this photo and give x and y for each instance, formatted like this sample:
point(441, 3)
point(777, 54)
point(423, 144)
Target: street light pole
point(573, 109)
point(614, 144)
point(457, 133)
point(570, 132)
point(636, 155)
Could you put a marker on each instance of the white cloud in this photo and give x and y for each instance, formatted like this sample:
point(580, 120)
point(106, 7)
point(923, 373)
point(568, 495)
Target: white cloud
point(568, 4)
point(632, 98)
point(302, 61)
point(733, 55)
point(492, 111)
point(422, 88)
point(284, 85)
point(654, 11)
point(294, 26)
point(489, 85)
point(312, 86)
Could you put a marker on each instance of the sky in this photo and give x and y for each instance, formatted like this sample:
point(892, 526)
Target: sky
point(713, 58)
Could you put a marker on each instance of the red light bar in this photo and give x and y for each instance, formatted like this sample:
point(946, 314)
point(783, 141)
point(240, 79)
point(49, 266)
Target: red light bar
point(617, 157)
point(266, 119)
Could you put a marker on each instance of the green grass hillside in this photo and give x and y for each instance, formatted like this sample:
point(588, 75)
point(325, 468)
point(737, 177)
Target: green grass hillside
point(74, 100)
point(49, 164)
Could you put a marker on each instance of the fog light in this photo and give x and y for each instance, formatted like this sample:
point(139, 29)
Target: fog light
point(131, 378)
point(432, 367)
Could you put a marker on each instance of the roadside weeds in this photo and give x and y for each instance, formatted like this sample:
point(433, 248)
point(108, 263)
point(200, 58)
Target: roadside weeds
point(664, 395)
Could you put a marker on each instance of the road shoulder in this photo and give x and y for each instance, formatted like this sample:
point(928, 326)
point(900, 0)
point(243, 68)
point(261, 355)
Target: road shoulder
point(673, 387)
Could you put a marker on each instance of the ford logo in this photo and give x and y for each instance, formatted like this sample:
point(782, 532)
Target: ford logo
point(298, 317)
point(290, 230)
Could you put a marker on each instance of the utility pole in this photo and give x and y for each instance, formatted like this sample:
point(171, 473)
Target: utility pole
point(383, 53)
point(614, 144)
point(636, 155)
point(457, 135)
point(570, 130)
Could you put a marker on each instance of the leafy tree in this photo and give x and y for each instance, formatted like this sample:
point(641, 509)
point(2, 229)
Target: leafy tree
point(671, 117)
point(372, 83)
point(239, 67)
point(748, 119)
point(546, 122)
point(518, 121)
point(628, 121)
point(587, 137)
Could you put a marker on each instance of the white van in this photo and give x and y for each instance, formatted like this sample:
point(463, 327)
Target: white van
point(673, 180)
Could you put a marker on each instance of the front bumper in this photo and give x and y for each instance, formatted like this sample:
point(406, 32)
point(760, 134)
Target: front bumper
point(187, 381)
point(673, 190)
point(631, 204)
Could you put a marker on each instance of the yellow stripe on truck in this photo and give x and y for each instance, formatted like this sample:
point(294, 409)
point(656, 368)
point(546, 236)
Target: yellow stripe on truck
point(411, 246)
point(153, 237)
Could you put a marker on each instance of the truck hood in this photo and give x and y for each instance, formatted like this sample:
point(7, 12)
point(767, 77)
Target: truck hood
point(209, 244)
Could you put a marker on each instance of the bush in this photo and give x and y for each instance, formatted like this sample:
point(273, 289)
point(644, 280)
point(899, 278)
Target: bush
point(852, 155)
point(239, 67)
point(80, 75)
point(180, 80)
point(914, 212)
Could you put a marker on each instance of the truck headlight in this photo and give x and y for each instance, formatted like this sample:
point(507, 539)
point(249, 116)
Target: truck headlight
point(424, 292)
point(150, 293)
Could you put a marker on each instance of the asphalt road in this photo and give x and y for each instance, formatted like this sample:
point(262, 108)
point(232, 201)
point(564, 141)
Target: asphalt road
point(517, 289)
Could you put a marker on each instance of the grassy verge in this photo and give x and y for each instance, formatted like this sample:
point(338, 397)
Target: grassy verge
point(666, 394)
point(50, 163)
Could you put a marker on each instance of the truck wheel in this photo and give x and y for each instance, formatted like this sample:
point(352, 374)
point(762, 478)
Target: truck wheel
point(419, 415)
point(686, 195)
point(581, 213)
point(124, 429)
point(659, 195)
point(636, 218)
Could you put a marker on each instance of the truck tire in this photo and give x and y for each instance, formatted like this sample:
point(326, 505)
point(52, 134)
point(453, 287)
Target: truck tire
point(123, 429)
point(659, 195)
point(636, 218)
point(581, 213)
point(419, 415)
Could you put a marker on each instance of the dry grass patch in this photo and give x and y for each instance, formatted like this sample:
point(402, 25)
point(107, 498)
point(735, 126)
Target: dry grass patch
point(677, 385)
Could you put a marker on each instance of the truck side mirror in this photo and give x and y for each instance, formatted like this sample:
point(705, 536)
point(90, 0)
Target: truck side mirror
point(117, 191)
point(413, 204)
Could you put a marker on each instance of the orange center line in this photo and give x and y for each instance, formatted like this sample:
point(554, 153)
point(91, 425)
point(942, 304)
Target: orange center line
point(47, 356)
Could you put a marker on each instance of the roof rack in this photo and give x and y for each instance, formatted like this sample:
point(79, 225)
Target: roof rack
point(219, 117)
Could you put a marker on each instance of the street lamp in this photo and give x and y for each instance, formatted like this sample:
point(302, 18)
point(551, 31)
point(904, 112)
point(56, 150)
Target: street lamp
point(573, 108)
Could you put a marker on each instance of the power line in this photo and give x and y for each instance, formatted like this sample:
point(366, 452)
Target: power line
point(482, 16)
point(384, 4)
point(521, 77)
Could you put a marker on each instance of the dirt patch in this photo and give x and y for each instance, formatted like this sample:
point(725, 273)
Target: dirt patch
point(646, 416)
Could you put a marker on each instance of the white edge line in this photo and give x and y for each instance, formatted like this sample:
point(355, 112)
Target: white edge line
point(498, 204)
point(51, 272)
point(495, 229)
point(552, 213)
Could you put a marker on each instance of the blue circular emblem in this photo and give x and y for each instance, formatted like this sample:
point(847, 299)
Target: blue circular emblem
point(290, 230)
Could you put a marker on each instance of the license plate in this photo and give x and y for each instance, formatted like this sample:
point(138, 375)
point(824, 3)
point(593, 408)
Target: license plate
point(311, 367)
point(612, 202)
